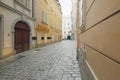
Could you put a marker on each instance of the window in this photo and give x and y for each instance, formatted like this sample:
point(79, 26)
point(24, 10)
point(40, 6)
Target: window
point(44, 17)
point(28, 3)
point(81, 17)
point(64, 32)
point(82, 14)
point(51, 22)
point(68, 27)
point(23, 3)
point(52, 7)
point(49, 38)
point(42, 38)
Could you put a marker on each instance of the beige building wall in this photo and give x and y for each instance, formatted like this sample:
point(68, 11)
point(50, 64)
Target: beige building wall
point(10, 13)
point(52, 26)
point(99, 40)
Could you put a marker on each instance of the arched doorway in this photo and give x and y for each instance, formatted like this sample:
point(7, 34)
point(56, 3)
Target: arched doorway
point(21, 37)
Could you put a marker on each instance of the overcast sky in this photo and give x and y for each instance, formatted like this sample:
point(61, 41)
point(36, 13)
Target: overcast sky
point(66, 7)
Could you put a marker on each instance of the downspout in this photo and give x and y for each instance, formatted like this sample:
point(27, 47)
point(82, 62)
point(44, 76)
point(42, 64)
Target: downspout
point(32, 8)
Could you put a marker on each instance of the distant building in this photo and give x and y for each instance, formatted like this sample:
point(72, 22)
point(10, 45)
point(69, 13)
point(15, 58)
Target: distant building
point(16, 27)
point(66, 27)
point(74, 19)
point(48, 24)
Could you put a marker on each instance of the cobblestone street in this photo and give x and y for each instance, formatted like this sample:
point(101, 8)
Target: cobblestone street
point(53, 62)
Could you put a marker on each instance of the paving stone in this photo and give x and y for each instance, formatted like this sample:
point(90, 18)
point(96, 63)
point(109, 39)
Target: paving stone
point(70, 78)
point(76, 75)
point(78, 78)
point(53, 62)
point(64, 78)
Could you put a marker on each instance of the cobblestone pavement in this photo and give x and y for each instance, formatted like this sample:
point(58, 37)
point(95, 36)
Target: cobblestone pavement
point(53, 62)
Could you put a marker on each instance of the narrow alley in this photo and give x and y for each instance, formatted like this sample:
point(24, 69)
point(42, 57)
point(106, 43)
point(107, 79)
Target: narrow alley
point(59, 39)
point(53, 62)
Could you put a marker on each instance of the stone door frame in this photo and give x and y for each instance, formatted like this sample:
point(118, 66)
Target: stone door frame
point(13, 30)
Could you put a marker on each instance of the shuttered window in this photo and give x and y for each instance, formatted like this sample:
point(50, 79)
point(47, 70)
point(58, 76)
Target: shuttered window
point(44, 17)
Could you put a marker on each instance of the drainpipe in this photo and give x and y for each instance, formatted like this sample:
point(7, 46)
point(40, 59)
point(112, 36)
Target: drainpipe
point(32, 8)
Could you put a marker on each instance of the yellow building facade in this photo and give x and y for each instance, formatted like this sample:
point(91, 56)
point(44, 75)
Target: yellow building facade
point(48, 24)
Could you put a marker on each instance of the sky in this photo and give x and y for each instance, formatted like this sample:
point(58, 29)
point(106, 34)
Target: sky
point(66, 7)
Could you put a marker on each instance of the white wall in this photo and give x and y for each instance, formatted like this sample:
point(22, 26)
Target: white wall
point(66, 26)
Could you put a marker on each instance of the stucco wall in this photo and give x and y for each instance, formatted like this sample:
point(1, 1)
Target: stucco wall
point(101, 39)
point(9, 20)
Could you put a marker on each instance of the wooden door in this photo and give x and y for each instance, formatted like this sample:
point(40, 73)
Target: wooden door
point(22, 37)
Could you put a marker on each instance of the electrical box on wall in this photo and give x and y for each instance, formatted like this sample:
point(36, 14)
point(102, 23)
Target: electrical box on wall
point(34, 38)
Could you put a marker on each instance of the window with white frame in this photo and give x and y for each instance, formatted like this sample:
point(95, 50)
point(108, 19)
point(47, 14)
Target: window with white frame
point(44, 17)
point(82, 14)
point(80, 8)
